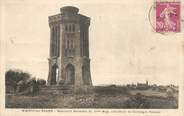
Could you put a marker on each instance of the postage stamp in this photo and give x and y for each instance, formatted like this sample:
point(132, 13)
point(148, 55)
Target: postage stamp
point(167, 17)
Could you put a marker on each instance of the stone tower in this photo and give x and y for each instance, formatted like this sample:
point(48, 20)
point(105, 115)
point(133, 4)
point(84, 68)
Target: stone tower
point(69, 62)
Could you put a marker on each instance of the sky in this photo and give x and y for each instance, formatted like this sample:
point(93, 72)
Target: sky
point(124, 48)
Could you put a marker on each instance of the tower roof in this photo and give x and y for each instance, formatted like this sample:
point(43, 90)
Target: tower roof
point(69, 10)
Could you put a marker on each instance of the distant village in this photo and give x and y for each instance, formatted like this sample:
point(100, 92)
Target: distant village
point(146, 85)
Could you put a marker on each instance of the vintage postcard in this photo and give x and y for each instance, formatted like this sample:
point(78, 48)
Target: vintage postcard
point(91, 57)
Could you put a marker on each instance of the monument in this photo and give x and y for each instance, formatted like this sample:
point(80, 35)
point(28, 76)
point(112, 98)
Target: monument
point(69, 62)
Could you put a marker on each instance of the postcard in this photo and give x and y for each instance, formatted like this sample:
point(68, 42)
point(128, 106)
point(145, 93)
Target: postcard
point(92, 57)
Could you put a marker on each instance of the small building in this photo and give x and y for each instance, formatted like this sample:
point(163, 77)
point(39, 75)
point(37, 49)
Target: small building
point(142, 85)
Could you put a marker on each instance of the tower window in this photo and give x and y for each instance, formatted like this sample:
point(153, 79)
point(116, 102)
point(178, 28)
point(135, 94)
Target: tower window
point(66, 28)
point(71, 44)
point(73, 28)
point(68, 36)
point(70, 28)
point(67, 44)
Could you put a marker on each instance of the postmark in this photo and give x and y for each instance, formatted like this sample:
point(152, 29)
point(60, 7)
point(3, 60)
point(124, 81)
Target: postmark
point(167, 18)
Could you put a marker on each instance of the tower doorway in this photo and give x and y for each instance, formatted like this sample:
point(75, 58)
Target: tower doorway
point(70, 74)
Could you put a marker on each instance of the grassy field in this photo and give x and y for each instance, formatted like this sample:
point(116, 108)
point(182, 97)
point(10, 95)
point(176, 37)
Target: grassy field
point(102, 100)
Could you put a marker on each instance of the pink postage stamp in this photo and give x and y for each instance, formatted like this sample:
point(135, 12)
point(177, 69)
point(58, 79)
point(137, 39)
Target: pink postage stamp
point(167, 17)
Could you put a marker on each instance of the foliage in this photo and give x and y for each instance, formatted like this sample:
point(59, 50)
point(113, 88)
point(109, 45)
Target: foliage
point(16, 75)
point(22, 82)
point(137, 101)
point(41, 82)
point(12, 78)
point(27, 87)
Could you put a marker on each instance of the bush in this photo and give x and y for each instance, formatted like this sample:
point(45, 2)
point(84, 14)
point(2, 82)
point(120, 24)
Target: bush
point(170, 93)
point(137, 101)
point(41, 82)
point(27, 87)
point(21, 86)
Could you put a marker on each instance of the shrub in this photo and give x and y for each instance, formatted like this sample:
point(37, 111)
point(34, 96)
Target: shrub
point(41, 82)
point(21, 86)
point(27, 87)
point(137, 101)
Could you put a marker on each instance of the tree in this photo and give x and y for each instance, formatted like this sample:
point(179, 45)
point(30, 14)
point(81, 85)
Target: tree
point(12, 77)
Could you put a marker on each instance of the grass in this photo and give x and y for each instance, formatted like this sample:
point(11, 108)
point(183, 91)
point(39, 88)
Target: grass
point(98, 99)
